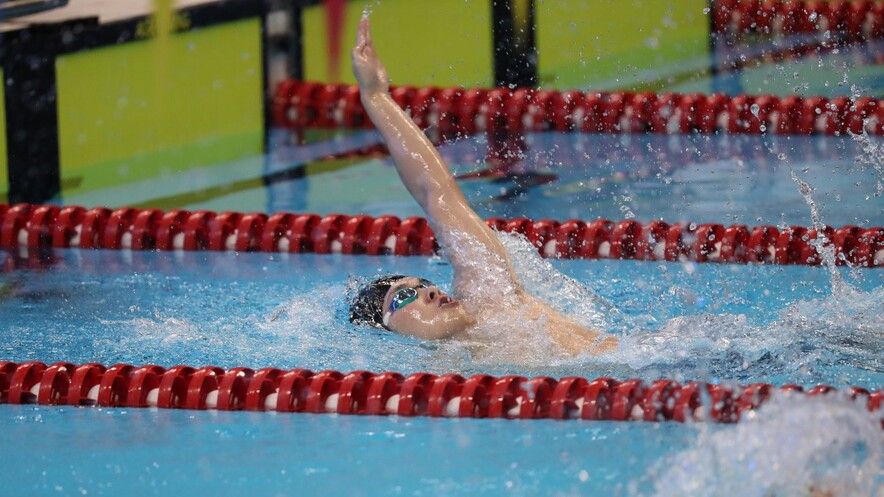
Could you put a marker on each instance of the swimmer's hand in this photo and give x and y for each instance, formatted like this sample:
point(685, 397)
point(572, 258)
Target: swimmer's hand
point(368, 69)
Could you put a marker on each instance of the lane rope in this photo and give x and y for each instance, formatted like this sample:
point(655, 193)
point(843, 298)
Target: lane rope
point(26, 226)
point(448, 113)
point(390, 393)
point(852, 21)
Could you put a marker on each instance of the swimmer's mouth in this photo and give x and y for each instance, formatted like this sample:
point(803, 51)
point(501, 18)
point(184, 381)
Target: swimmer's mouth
point(446, 301)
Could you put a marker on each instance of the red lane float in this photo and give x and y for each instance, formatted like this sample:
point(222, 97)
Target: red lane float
point(34, 227)
point(850, 20)
point(366, 393)
point(447, 113)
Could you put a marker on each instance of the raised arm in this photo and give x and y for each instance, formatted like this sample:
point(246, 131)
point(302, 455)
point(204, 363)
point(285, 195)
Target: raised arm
point(472, 247)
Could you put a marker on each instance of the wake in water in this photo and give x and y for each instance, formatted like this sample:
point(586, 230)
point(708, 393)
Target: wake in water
point(794, 446)
point(810, 340)
point(807, 342)
point(809, 335)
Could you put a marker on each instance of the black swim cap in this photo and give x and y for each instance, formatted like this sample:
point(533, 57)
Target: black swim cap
point(367, 307)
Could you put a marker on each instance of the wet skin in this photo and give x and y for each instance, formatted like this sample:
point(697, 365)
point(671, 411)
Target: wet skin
point(433, 315)
point(485, 285)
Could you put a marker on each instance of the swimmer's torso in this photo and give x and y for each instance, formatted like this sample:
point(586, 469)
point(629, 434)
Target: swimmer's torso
point(522, 316)
point(486, 285)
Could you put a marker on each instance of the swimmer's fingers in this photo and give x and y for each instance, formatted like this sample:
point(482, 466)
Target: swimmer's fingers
point(363, 35)
point(367, 67)
point(364, 46)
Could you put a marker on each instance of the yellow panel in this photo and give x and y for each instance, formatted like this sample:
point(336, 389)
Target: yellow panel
point(620, 43)
point(422, 42)
point(144, 109)
point(4, 168)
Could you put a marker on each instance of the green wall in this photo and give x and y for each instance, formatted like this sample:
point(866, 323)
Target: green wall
point(422, 42)
point(144, 109)
point(642, 44)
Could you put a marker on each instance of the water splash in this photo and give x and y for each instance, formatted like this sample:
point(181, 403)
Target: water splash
point(562, 292)
point(821, 243)
point(755, 109)
point(808, 339)
point(806, 343)
point(873, 153)
point(309, 330)
point(368, 10)
point(792, 446)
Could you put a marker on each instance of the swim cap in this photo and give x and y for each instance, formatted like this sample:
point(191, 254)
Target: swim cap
point(367, 307)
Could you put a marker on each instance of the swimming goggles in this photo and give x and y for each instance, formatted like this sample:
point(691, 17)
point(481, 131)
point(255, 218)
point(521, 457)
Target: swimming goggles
point(403, 297)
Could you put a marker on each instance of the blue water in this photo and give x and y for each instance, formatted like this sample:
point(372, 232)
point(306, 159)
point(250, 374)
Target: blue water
point(707, 322)
point(694, 178)
point(685, 321)
point(719, 323)
point(144, 452)
point(828, 72)
point(702, 321)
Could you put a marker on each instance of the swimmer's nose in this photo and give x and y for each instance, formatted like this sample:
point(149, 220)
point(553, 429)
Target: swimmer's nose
point(432, 293)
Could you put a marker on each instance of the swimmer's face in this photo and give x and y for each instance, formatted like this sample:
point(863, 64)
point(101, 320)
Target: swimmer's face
point(419, 309)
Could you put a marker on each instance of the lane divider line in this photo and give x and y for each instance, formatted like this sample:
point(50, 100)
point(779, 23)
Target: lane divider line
point(449, 113)
point(390, 393)
point(26, 226)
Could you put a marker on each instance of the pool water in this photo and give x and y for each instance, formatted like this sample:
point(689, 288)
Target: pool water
point(704, 322)
point(685, 321)
point(689, 321)
point(727, 179)
point(68, 451)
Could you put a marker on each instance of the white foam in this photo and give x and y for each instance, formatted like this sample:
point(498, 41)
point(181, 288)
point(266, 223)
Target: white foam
point(791, 445)
point(845, 328)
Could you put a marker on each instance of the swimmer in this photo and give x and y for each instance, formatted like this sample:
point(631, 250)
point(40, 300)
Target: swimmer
point(485, 286)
